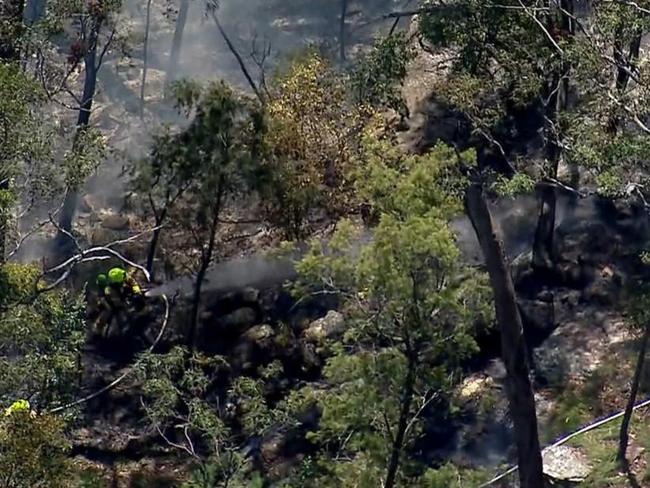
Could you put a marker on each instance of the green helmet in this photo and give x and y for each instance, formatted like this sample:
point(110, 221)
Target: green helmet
point(116, 276)
point(102, 280)
point(18, 406)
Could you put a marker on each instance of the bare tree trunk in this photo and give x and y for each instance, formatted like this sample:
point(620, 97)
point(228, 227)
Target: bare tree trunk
point(627, 417)
point(90, 84)
point(153, 244)
point(145, 58)
point(556, 100)
point(543, 245)
point(4, 186)
point(34, 10)
point(177, 42)
point(405, 409)
point(513, 347)
point(206, 258)
point(622, 73)
point(344, 13)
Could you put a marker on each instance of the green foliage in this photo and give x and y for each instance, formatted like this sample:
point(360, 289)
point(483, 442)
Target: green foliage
point(408, 314)
point(312, 131)
point(377, 77)
point(88, 151)
point(179, 407)
point(451, 476)
point(520, 183)
point(33, 451)
point(25, 142)
point(42, 339)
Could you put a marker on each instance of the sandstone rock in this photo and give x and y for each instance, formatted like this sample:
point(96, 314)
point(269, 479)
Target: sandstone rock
point(564, 463)
point(115, 222)
point(259, 333)
point(325, 328)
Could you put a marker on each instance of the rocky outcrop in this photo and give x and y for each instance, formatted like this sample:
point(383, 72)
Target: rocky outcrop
point(325, 328)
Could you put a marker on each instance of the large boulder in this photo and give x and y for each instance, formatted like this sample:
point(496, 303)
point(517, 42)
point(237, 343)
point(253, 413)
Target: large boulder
point(566, 464)
point(328, 327)
point(115, 222)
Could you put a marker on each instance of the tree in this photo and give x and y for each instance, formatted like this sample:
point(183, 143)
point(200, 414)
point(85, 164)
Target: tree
point(25, 149)
point(11, 29)
point(145, 57)
point(183, 407)
point(93, 17)
point(377, 77)
point(33, 451)
point(42, 339)
point(641, 322)
point(521, 398)
point(504, 59)
point(221, 145)
point(177, 42)
point(344, 13)
point(164, 178)
point(312, 134)
point(410, 309)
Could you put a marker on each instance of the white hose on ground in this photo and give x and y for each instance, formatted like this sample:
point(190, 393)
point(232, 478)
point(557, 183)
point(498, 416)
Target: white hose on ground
point(567, 438)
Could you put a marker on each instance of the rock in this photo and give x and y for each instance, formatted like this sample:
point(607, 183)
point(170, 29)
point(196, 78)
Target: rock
point(564, 463)
point(259, 333)
point(325, 328)
point(88, 204)
point(310, 361)
point(604, 288)
point(538, 317)
point(272, 448)
point(101, 236)
point(115, 222)
point(250, 295)
point(239, 320)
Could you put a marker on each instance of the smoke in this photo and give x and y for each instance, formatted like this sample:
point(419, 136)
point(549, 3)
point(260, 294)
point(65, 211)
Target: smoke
point(256, 272)
point(516, 218)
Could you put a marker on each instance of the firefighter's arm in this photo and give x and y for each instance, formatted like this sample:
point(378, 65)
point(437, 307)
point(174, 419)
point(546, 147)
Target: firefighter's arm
point(135, 287)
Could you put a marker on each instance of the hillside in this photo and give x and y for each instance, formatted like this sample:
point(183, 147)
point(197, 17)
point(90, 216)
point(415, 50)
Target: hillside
point(359, 244)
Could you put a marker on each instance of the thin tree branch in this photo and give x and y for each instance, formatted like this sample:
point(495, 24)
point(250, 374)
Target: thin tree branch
point(238, 57)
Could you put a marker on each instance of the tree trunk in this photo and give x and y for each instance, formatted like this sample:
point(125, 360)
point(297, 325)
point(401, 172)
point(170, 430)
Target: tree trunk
point(627, 417)
point(543, 246)
point(513, 347)
point(145, 58)
point(344, 13)
point(405, 409)
point(622, 75)
point(4, 186)
point(153, 244)
point(90, 84)
point(206, 258)
point(34, 10)
point(556, 100)
point(177, 42)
